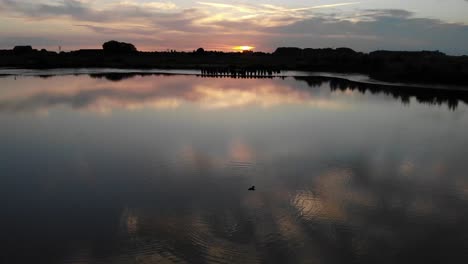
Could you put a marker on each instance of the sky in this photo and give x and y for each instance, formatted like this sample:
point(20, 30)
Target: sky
point(222, 25)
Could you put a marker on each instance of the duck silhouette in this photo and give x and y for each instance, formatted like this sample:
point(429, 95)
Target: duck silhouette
point(252, 188)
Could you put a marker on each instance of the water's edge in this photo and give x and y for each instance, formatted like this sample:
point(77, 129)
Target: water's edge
point(357, 78)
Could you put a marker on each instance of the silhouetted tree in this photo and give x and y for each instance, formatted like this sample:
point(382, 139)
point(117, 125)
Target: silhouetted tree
point(345, 50)
point(288, 51)
point(118, 47)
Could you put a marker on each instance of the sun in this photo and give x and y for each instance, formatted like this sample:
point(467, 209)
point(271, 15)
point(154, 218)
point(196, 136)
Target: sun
point(243, 48)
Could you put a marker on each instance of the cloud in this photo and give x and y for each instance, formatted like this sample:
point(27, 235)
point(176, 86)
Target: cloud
point(20, 40)
point(376, 29)
point(85, 11)
point(151, 5)
point(240, 8)
point(213, 25)
point(268, 8)
point(72, 8)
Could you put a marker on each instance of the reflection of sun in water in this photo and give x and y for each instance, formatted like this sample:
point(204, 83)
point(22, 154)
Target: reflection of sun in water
point(243, 48)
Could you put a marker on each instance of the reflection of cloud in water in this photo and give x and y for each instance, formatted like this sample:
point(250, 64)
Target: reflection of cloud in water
point(80, 92)
point(129, 221)
point(241, 152)
point(168, 92)
point(333, 196)
point(330, 196)
point(407, 168)
point(307, 205)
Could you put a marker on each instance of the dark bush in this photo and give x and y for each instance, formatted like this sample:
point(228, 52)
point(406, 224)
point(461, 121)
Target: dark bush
point(118, 47)
point(22, 49)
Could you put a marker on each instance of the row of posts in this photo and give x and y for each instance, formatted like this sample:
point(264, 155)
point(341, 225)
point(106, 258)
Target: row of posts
point(236, 72)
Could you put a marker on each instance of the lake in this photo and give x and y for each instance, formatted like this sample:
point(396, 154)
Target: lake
point(137, 168)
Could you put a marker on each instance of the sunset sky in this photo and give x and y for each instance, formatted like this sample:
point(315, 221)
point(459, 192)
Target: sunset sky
point(222, 25)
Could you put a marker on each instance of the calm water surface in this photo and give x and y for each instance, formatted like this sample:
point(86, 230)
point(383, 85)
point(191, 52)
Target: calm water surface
point(155, 169)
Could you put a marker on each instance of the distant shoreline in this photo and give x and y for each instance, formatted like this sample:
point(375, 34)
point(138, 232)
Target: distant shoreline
point(422, 68)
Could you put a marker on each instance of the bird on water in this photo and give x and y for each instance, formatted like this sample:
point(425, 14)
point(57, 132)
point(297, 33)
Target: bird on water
point(252, 188)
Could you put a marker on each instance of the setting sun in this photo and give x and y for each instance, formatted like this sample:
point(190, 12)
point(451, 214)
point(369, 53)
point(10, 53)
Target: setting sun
point(243, 48)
